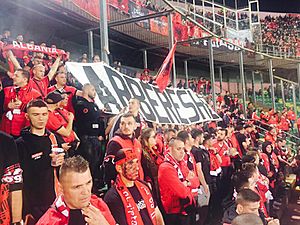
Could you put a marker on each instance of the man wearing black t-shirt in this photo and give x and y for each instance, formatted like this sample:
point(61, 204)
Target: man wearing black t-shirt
point(202, 159)
point(242, 139)
point(130, 200)
point(10, 181)
point(34, 147)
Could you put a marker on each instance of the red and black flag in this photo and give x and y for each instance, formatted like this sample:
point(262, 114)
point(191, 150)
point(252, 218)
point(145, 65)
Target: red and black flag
point(163, 75)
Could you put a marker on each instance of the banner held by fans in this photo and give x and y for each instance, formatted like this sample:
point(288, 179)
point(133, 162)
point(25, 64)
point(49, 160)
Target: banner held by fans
point(114, 90)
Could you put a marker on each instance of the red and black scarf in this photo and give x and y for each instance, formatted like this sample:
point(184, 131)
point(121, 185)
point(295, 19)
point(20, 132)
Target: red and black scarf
point(131, 211)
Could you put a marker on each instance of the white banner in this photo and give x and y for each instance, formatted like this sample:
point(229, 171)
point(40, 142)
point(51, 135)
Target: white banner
point(114, 89)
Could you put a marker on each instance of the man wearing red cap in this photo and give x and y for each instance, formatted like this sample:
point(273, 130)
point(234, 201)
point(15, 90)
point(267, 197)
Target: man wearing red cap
point(130, 199)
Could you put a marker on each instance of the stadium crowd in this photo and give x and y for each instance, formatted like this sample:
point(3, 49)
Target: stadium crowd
point(281, 32)
point(58, 150)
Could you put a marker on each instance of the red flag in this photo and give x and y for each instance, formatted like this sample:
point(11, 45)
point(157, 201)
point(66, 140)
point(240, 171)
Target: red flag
point(163, 75)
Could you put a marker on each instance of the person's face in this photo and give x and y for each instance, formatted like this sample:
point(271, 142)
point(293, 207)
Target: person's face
point(38, 117)
point(18, 79)
point(96, 58)
point(201, 139)
point(151, 141)
point(91, 92)
point(20, 38)
point(77, 189)
point(133, 106)
point(37, 61)
point(64, 102)
point(130, 170)
point(61, 79)
point(269, 148)
point(253, 179)
point(39, 72)
point(127, 125)
point(177, 150)
point(281, 144)
point(249, 207)
point(220, 135)
point(190, 140)
point(170, 135)
point(6, 34)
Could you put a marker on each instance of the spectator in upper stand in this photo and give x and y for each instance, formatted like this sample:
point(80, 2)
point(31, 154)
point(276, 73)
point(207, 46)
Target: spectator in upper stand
point(15, 100)
point(180, 84)
point(270, 161)
point(145, 77)
point(96, 59)
point(271, 135)
point(243, 141)
point(84, 58)
point(291, 116)
point(227, 99)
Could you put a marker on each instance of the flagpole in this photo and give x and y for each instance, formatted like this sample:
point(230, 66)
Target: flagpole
point(104, 44)
point(171, 42)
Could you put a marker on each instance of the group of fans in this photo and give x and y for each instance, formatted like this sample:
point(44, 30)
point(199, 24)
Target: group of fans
point(58, 149)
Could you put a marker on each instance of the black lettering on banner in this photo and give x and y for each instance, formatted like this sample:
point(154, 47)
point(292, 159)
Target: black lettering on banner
point(121, 90)
point(100, 87)
point(171, 93)
point(213, 114)
point(147, 90)
point(200, 106)
point(137, 92)
point(166, 104)
point(182, 95)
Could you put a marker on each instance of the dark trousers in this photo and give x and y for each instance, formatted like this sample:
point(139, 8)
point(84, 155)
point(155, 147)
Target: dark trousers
point(177, 219)
point(90, 148)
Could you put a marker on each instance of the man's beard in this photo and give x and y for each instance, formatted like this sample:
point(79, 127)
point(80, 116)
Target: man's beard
point(128, 176)
point(90, 96)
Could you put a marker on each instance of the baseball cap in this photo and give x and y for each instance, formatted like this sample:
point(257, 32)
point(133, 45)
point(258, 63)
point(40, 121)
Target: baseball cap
point(54, 97)
point(124, 155)
point(62, 91)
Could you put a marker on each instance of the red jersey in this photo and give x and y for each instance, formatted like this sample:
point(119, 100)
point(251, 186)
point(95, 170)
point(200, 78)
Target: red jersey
point(13, 121)
point(223, 148)
point(58, 119)
point(40, 85)
point(291, 115)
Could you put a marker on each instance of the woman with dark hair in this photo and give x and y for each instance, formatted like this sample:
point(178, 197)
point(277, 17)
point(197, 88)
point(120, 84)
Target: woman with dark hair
point(270, 161)
point(151, 159)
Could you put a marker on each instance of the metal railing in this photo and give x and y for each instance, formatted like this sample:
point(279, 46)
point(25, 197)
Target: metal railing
point(292, 140)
